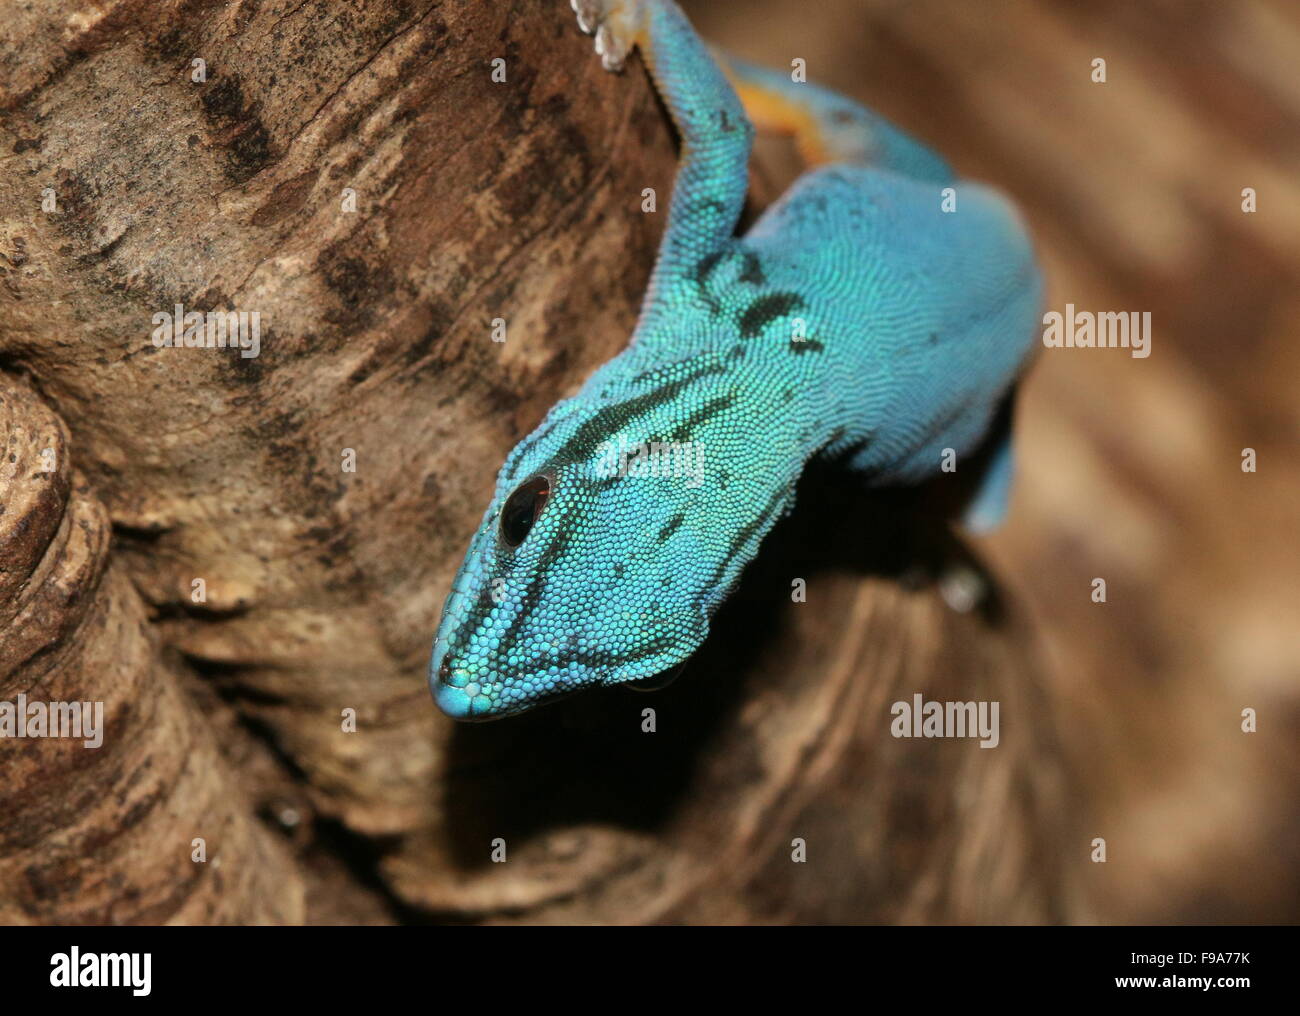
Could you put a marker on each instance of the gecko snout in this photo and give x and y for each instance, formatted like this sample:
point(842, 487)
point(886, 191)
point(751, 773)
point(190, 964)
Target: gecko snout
point(458, 703)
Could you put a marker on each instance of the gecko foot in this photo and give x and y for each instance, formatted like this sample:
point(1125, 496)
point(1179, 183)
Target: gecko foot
point(963, 588)
point(614, 23)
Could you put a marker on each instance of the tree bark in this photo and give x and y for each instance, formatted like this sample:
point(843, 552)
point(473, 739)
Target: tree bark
point(359, 179)
point(151, 824)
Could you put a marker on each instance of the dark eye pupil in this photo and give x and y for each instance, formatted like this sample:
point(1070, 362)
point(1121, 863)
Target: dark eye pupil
point(522, 508)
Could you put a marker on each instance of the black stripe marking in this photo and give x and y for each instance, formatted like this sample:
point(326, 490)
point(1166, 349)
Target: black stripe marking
point(664, 374)
point(766, 309)
point(743, 537)
point(528, 602)
point(706, 265)
point(747, 532)
point(671, 526)
point(706, 412)
point(605, 658)
point(753, 272)
point(532, 597)
point(612, 418)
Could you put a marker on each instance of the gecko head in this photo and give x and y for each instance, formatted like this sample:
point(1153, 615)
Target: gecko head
point(573, 579)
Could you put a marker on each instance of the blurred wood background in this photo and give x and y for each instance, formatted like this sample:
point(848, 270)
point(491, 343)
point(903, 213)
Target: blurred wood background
point(1130, 469)
point(521, 200)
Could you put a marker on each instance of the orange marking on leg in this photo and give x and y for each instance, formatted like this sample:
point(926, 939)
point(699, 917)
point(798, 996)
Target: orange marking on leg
point(772, 111)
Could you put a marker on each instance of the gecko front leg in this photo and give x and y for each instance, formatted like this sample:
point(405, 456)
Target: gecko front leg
point(716, 135)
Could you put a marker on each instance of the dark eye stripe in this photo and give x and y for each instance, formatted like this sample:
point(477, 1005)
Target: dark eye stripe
point(597, 659)
point(527, 602)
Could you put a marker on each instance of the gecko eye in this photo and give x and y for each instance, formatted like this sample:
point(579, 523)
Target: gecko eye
point(522, 508)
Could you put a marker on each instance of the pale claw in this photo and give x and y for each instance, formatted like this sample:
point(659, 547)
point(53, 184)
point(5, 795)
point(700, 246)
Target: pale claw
point(614, 24)
point(588, 12)
point(613, 50)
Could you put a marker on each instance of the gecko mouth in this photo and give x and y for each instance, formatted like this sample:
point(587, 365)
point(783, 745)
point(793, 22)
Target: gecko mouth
point(474, 701)
point(656, 682)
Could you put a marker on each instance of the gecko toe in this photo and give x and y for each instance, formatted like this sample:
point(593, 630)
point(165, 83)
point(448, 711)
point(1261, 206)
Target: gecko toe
point(613, 24)
point(589, 13)
point(612, 49)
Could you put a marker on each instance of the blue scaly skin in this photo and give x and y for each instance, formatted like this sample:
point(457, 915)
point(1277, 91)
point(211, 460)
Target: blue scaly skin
point(856, 320)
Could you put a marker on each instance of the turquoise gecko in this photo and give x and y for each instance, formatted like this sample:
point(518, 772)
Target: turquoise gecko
point(857, 319)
